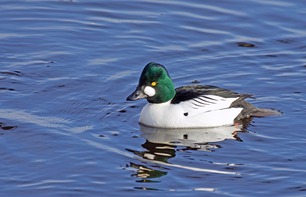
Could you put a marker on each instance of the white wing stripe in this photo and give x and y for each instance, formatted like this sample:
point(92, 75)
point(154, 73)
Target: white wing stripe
point(207, 103)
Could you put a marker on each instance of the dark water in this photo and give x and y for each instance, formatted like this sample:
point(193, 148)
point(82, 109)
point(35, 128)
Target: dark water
point(66, 68)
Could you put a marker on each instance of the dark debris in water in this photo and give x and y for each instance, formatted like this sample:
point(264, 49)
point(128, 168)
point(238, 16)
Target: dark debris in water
point(105, 101)
point(122, 110)
point(9, 89)
point(133, 106)
point(271, 55)
point(4, 127)
point(8, 127)
point(195, 81)
point(285, 41)
point(14, 73)
point(245, 44)
point(125, 110)
point(299, 188)
point(115, 134)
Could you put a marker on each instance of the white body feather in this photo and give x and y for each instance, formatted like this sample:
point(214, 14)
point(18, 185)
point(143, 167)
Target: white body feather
point(206, 111)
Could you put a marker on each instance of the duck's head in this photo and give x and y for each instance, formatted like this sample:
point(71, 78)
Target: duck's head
point(154, 84)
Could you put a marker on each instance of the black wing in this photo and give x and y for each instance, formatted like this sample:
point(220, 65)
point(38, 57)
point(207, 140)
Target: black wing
point(185, 93)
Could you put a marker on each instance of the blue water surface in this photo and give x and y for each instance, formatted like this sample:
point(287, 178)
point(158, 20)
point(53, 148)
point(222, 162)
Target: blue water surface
point(67, 66)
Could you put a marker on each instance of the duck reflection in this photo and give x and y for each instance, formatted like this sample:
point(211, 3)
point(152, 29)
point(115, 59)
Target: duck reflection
point(191, 138)
point(146, 173)
point(162, 145)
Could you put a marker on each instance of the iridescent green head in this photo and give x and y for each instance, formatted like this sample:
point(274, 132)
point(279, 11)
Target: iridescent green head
point(154, 84)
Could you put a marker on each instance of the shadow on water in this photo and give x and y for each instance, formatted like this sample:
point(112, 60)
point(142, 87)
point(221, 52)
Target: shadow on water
point(161, 145)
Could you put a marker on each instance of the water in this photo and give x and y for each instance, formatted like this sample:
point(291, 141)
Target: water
point(66, 68)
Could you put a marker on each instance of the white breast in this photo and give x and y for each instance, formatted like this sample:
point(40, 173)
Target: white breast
point(190, 114)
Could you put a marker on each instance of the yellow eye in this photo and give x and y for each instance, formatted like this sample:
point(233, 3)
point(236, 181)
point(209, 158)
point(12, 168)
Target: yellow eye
point(153, 83)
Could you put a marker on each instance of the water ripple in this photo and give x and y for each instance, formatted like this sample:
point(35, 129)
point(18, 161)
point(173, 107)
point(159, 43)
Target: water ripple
point(67, 67)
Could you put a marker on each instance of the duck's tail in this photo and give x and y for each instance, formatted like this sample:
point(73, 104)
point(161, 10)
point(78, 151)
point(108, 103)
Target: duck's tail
point(261, 112)
point(250, 111)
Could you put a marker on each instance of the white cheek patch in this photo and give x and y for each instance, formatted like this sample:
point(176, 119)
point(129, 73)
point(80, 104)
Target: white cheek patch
point(149, 91)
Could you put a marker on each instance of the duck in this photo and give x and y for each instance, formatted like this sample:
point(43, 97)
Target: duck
point(191, 106)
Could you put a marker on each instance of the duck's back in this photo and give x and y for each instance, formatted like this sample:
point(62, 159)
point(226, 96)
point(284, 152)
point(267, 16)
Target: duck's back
point(185, 93)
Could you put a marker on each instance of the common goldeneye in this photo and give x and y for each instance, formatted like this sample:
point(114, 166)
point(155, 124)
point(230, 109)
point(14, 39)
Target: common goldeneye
point(196, 106)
